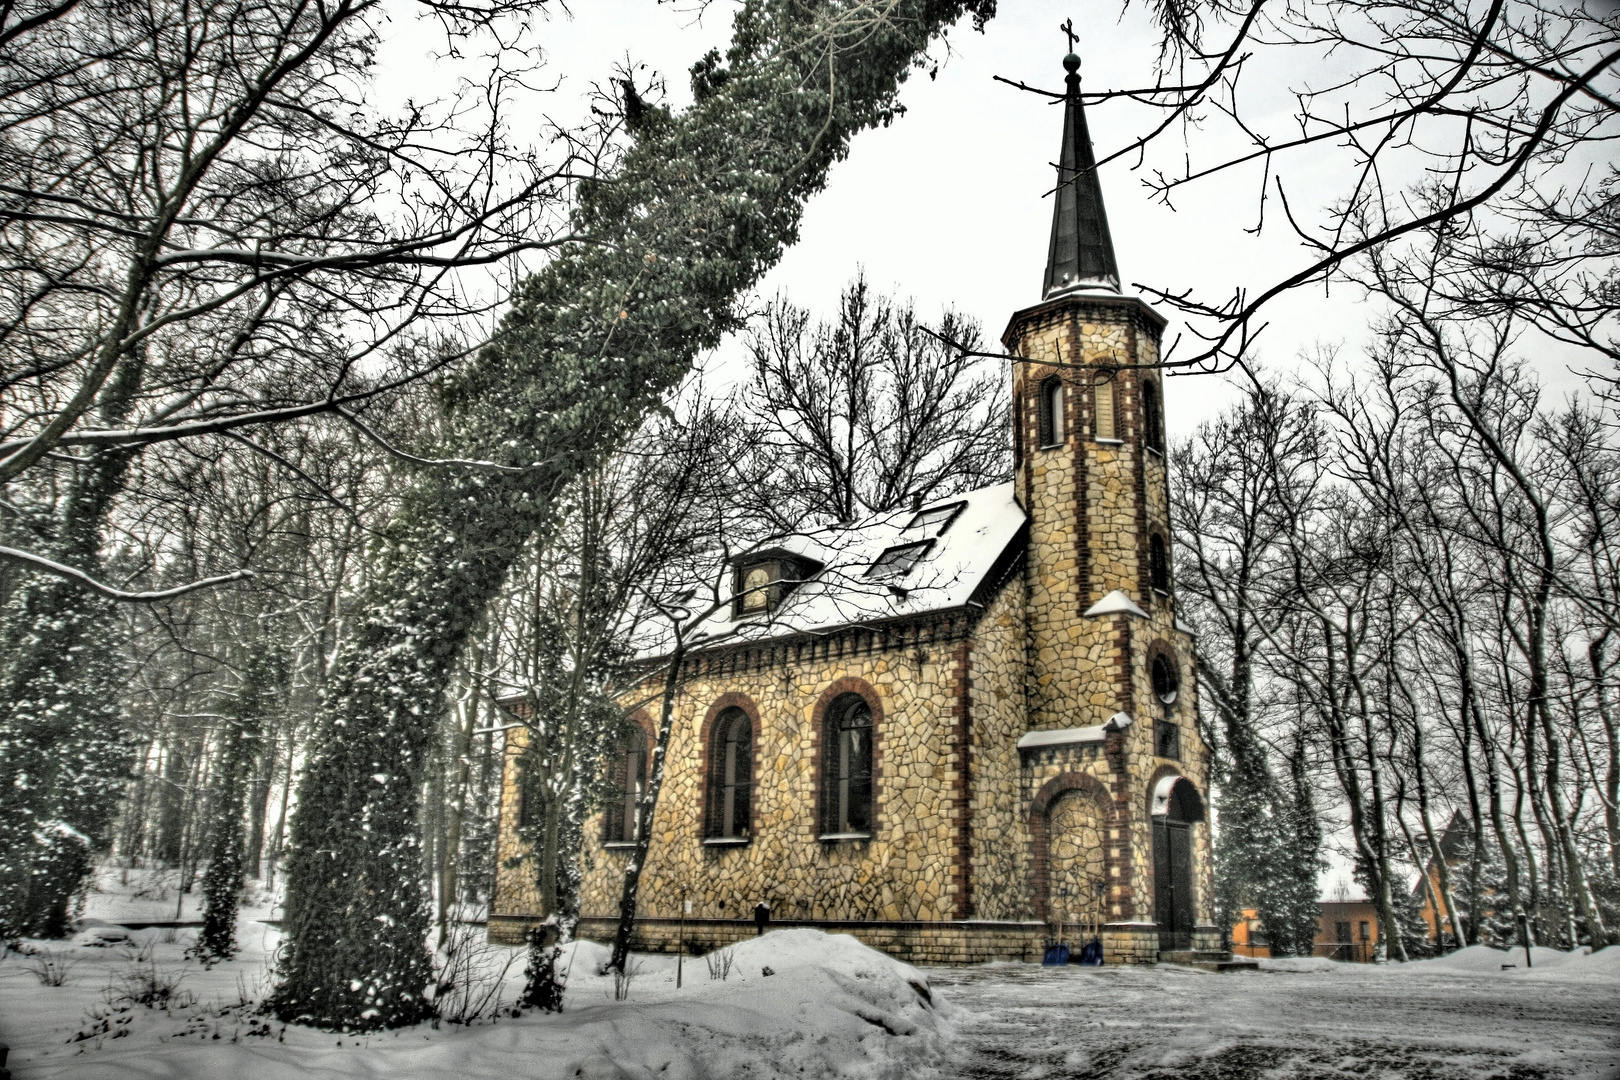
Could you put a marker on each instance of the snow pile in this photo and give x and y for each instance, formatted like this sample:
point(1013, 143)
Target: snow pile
point(1485, 960)
point(830, 1008)
point(1602, 966)
point(1298, 964)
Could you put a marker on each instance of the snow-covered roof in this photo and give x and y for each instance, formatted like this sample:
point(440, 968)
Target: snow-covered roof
point(1032, 740)
point(1116, 603)
point(938, 557)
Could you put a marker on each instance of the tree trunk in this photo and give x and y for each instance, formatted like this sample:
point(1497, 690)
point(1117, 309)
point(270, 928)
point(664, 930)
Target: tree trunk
point(645, 807)
point(458, 803)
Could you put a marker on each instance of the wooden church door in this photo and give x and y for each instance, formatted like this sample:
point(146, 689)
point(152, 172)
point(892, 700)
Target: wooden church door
point(1172, 882)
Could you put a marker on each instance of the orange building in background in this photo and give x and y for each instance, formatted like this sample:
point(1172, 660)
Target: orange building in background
point(1347, 930)
point(1454, 849)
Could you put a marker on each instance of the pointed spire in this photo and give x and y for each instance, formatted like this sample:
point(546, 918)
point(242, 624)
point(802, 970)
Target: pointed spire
point(1081, 256)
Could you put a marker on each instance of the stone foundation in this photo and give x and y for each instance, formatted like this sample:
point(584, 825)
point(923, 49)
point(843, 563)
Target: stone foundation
point(1130, 943)
point(968, 942)
point(1207, 938)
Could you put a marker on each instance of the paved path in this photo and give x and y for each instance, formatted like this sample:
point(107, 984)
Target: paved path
point(1355, 1022)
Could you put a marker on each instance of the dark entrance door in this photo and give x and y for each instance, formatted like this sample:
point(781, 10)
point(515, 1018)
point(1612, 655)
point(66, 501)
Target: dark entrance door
point(1172, 882)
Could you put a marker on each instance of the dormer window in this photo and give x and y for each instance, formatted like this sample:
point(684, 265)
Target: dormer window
point(896, 562)
point(936, 519)
point(760, 584)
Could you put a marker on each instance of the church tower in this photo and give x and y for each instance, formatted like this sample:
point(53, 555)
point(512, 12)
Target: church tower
point(1113, 764)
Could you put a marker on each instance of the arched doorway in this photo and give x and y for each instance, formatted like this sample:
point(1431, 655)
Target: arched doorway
point(1176, 808)
point(1074, 881)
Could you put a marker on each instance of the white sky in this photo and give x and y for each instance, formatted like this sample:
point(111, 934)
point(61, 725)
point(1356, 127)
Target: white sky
point(947, 205)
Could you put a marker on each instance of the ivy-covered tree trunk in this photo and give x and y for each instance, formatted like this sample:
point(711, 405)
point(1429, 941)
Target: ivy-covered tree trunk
point(703, 204)
point(241, 736)
point(65, 753)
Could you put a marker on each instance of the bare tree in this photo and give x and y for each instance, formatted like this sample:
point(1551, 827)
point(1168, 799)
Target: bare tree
point(869, 410)
point(1480, 118)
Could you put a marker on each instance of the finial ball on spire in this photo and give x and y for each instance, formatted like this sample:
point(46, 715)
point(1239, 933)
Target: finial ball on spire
point(1071, 63)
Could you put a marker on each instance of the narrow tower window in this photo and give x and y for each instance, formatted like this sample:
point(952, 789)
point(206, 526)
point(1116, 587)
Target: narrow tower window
point(1152, 421)
point(1158, 563)
point(629, 774)
point(1051, 411)
point(846, 769)
point(731, 775)
point(1104, 392)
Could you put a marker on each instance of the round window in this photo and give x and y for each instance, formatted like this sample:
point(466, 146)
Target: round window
point(1165, 681)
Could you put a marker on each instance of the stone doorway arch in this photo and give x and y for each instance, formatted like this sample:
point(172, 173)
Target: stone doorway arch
point(1069, 821)
point(1075, 881)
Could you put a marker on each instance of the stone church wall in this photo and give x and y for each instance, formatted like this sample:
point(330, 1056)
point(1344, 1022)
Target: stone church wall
point(904, 873)
point(1000, 837)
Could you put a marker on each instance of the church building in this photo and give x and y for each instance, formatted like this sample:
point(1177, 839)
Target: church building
point(958, 731)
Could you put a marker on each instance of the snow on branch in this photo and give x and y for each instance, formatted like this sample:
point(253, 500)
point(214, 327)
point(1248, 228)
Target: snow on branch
point(50, 566)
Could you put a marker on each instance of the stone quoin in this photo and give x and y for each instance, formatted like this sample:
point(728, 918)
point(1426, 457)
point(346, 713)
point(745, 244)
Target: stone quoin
point(957, 731)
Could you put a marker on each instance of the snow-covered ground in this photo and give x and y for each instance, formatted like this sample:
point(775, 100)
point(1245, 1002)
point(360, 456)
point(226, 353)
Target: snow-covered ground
point(832, 1007)
point(1460, 1017)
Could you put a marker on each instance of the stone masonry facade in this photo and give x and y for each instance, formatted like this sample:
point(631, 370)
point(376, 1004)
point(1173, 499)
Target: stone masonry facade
point(977, 847)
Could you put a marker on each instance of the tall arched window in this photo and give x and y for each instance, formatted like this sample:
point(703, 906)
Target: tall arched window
point(1158, 563)
point(1103, 394)
point(531, 795)
point(731, 775)
point(629, 778)
point(846, 768)
point(1051, 411)
point(1152, 418)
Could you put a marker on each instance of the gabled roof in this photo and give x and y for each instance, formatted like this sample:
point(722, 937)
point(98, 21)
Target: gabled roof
point(954, 558)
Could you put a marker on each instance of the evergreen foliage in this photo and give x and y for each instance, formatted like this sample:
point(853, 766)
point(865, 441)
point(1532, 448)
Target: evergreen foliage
point(65, 751)
point(702, 205)
point(240, 738)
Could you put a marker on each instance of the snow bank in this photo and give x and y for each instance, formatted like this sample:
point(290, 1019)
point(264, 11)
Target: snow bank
point(831, 1007)
point(1483, 959)
point(1586, 966)
point(1299, 964)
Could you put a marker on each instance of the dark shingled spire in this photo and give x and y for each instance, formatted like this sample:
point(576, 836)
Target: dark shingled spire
point(1082, 253)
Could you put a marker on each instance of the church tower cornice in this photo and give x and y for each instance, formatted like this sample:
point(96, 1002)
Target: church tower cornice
point(1062, 307)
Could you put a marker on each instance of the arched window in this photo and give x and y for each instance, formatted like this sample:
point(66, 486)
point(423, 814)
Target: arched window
point(846, 768)
point(1103, 392)
point(1158, 563)
point(629, 778)
point(531, 795)
point(1166, 683)
point(1152, 418)
point(1051, 411)
point(731, 775)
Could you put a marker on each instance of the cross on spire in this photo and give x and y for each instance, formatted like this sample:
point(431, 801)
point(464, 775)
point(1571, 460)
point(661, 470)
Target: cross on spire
point(1068, 28)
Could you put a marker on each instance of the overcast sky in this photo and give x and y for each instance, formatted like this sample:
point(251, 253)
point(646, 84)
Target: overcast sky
point(947, 205)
